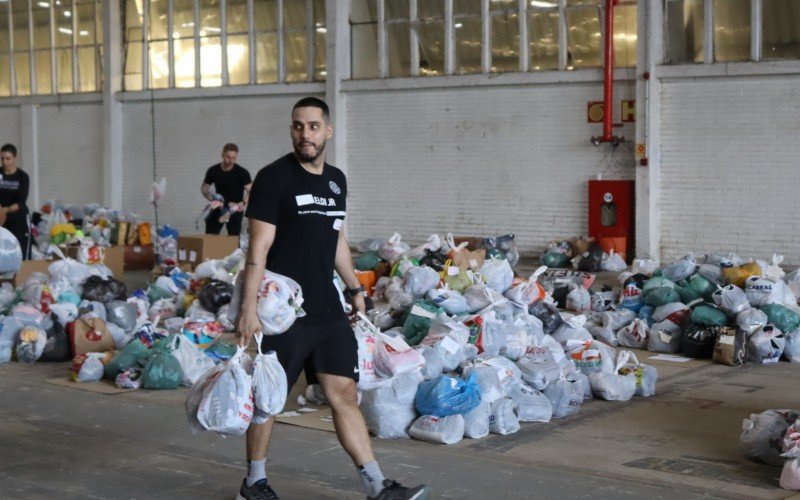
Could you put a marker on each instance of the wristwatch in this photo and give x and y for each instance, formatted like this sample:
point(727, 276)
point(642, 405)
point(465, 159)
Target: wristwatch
point(352, 292)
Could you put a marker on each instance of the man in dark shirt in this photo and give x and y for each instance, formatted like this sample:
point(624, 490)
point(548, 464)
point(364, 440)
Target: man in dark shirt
point(296, 225)
point(232, 183)
point(14, 184)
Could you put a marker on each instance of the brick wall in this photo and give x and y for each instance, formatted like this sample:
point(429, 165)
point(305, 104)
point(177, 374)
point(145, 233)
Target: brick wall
point(729, 166)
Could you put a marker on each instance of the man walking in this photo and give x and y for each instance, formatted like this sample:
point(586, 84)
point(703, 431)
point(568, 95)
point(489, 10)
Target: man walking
point(231, 184)
point(296, 215)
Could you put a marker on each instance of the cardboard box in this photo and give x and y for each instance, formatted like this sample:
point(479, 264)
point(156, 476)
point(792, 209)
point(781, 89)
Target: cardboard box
point(139, 257)
point(27, 269)
point(193, 250)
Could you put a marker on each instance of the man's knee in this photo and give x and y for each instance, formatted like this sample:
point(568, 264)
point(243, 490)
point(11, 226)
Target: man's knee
point(342, 393)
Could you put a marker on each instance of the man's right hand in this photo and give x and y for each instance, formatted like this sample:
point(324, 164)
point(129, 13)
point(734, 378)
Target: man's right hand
point(246, 326)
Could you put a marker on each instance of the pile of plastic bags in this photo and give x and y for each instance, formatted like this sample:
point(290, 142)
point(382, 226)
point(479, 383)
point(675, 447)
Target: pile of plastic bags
point(773, 438)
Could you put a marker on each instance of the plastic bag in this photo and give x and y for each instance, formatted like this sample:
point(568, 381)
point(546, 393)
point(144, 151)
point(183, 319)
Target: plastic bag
point(566, 396)
point(539, 370)
point(434, 362)
point(526, 293)
point(591, 356)
point(447, 396)
point(646, 376)
point(502, 419)
point(87, 367)
point(738, 275)
point(367, 261)
point(103, 290)
point(365, 333)
point(498, 274)
point(280, 301)
point(555, 259)
point(476, 421)
point(698, 341)
point(129, 379)
point(578, 299)
point(762, 291)
point(784, 319)
point(675, 312)
point(505, 245)
point(192, 361)
point(590, 260)
point(418, 281)
point(681, 269)
point(56, 347)
point(418, 321)
point(487, 379)
point(605, 335)
point(731, 299)
point(634, 335)
point(31, 344)
point(393, 356)
point(532, 405)
point(393, 249)
point(128, 357)
point(660, 296)
point(708, 315)
point(122, 314)
point(751, 320)
point(615, 386)
point(449, 300)
point(631, 297)
point(214, 295)
point(480, 297)
point(664, 336)
point(762, 435)
point(226, 404)
point(269, 384)
point(443, 430)
point(10, 252)
point(162, 371)
point(617, 319)
point(792, 350)
point(766, 345)
point(397, 298)
point(163, 308)
point(644, 266)
point(790, 475)
point(389, 410)
point(613, 262)
point(602, 301)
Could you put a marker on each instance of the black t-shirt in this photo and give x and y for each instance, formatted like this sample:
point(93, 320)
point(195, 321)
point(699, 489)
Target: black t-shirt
point(14, 189)
point(308, 211)
point(230, 185)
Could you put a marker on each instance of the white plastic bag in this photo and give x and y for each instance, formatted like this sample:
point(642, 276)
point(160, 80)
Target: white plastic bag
point(763, 434)
point(434, 363)
point(526, 293)
point(665, 337)
point(766, 345)
point(761, 291)
point(480, 297)
point(634, 335)
point(680, 269)
point(486, 378)
point(644, 266)
point(10, 252)
point(444, 430)
point(65, 312)
point(502, 419)
point(9, 334)
point(389, 410)
point(618, 319)
point(790, 475)
point(226, 406)
point(539, 371)
point(163, 308)
point(269, 384)
point(476, 421)
point(192, 360)
point(393, 356)
point(773, 271)
point(419, 280)
point(449, 300)
point(613, 386)
point(68, 269)
point(646, 376)
point(578, 299)
point(792, 350)
point(498, 274)
point(92, 368)
point(590, 356)
point(393, 249)
point(279, 303)
point(605, 335)
point(613, 262)
point(572, 329)
point(532, 405)
point(432, 244)
point(365, 333)
point(751, 320)
point(566, 396)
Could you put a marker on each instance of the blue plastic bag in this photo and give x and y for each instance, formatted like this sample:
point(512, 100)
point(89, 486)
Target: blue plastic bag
point(446, 396)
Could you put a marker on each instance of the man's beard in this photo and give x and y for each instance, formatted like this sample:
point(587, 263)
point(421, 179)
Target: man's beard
point(310, 158)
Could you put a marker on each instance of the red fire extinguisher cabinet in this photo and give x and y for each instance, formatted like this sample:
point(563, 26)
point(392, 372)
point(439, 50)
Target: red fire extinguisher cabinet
point(612, 216)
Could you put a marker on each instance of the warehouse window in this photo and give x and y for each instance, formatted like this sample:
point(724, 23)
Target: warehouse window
point(781, 29)
point(50, 47)
point(211, 43)
point(731, 30)
point(392, 38)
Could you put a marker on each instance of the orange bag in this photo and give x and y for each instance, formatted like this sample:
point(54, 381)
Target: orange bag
point(145, 237)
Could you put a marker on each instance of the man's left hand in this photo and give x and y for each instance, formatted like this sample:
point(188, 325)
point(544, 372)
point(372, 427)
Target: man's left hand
point(359, 304)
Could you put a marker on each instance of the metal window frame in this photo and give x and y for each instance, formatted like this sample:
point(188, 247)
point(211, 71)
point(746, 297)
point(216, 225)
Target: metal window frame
point(53, 62)
point(146, 84)
point(98, 61)
point(251, 42)
point(311, 32)
point(383, 46)
point(524, 47)
point(12, 67)
point(708, 31)
point(223, 42)
point(171, 43)
point(281, 43)
point(76, 79)
point(33, 84)
point(198, 73)
point(756, 30)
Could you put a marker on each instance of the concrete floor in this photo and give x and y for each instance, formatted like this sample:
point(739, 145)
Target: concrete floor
point(683, 444)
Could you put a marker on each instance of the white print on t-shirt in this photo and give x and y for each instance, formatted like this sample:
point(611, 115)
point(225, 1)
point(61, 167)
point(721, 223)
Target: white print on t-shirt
point(320, 212)
point(335, 188)
point(307, 199)
point(337, 224)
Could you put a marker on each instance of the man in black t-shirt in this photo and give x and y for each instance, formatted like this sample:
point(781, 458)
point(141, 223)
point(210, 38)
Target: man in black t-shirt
point(296, 225)
point(14, 184)
point(232, 184)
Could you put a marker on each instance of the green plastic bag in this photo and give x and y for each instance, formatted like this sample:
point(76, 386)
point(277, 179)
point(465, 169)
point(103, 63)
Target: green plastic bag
point(163, 371)
point(708, 315)
point(661, 295)
point(555, 259)
point(701, 286)
point(367, 261)
point(783, 318)
point(687, 294)
point(418, 321)
point(656, 282)
point(458, 282)
point(155, 293)
point(220, 351)
point(129, 356)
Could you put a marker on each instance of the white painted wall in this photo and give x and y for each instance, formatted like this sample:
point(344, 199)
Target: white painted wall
point(190, 134)
point(729, 166)
point(478, 161)
point(71, 153)
point(9, 129)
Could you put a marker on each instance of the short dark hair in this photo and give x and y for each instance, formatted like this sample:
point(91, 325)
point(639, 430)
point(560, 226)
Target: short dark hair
point(230, 147)
point(9, 148)
point(314, 102)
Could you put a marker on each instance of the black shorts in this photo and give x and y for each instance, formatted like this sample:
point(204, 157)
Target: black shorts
point(328, 347)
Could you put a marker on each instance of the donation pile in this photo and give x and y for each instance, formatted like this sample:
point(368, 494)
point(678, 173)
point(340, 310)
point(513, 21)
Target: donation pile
point(773, 438)
point(461, 347)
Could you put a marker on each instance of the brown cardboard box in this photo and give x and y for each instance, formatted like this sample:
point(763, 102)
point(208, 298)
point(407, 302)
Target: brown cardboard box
point(29, 267)
point(139, 257)
point(114, 259)
point(193, 250)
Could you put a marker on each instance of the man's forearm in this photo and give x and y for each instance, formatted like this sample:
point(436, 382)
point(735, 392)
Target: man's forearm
point(206, 190)
point(344, 264)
